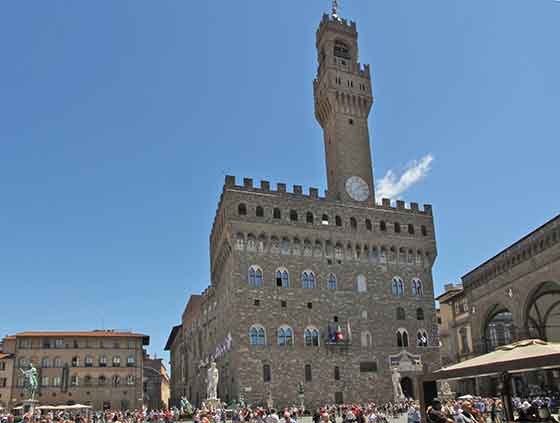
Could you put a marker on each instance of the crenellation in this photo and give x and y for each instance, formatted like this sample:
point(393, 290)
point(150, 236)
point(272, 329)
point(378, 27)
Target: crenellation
point(414, 207)
point(281, 187)
point(265, 186)
point(298, 189)
point(400, 205)
point(313, 193)
point(230, 181)
point(428, 209)
point(386, 203)
point(248, 183)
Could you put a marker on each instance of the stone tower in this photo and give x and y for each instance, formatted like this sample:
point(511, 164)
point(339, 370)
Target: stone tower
point(343, 100)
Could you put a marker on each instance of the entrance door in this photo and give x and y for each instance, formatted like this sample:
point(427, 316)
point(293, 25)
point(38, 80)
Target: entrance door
point(407, 387)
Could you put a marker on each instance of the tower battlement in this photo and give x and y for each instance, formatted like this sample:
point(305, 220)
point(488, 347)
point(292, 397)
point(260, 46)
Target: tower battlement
point(313, 194)
point(343, 25)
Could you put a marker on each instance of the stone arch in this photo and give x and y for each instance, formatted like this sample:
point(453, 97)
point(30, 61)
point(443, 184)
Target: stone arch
point(296, 247)
point(318, 249)
point(251, 243)
point(261, 243)
point(285, 246)
point(541, 312)
point(497, 327)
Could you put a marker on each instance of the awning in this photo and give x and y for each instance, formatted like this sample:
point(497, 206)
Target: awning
point(522, 356)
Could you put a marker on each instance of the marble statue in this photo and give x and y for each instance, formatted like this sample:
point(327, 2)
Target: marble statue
point(213, 375)
point(397, 388)
point(31, 379)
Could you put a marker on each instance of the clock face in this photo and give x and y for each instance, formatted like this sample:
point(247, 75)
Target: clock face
point(357, 188)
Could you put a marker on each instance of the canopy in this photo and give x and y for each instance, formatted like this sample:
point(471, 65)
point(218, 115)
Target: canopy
point(74, 407)
point(522, 356)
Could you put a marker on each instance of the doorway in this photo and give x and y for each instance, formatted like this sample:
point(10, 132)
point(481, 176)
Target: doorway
point(407, 387)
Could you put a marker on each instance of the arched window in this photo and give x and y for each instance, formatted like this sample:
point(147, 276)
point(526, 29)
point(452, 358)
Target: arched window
point(419, 314)
point(277, 214)
point(398, 287)
point(402, 338)
point(382, 226)
point(259, 211)
point(422, 338)
point(240, 242)
point(417, 288)
point(411, 229)
point(401, 315)
point(87, 380)
point(257, 335)
point(101, 380)
point(368, 225)
point(293, 216)
point(130, 380)
point(311, 336)
point(103, 361)
point(424, 230)
point(308, 280)
point(285, 335)
point(74, 380)
point(331, 281)
point(309, 217)
point(338, 221)
point(88, 361)
point(353, 223)
point(397, 228)
point(76, 361)
point(242, 209)
point(116, 361)
point(57, 362)
point(325, 219)
point(45, 363)
point(116, 380)
point(255, 277)
point(282, 278)
point(267, 376)
point(362, 283)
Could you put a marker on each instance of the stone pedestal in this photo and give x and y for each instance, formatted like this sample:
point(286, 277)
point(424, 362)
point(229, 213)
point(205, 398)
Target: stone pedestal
point(213, 404)
point(29, 405)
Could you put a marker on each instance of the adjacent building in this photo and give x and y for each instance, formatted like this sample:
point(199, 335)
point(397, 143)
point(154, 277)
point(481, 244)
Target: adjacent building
point(515, 295)
point(310, 295)
point(103, 368)
point(156, 383)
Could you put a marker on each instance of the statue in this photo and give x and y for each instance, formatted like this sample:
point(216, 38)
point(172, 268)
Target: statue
point(397, 388)
point(212, 382)
point(31, 380)
point(186, 406)
point(445, 388)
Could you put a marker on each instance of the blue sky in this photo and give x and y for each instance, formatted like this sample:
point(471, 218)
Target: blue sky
point(119, 119)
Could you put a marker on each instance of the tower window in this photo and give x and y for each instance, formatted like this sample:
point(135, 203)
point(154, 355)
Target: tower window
point(351, 121)
point(242, 209)
point(353, 223)
point(383, 226)
point(338, 221)
point(293, 216)
point(397, 228)
point(260, 211)
point(309, 305)
point(424, 230)
point(266, 373)
point(341, 50)
point(368, 225)
point(325, 219)
point(337, 373)
point(411, 229)
point(309, 217)
point(277, 214)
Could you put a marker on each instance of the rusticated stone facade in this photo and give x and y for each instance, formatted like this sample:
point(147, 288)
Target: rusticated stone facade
point(328, 292)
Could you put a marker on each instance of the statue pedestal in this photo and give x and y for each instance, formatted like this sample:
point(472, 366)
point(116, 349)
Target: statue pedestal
point(213, 404)
point(29, 405)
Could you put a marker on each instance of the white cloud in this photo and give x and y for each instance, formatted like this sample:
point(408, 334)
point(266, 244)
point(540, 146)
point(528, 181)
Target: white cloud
point(391, 186)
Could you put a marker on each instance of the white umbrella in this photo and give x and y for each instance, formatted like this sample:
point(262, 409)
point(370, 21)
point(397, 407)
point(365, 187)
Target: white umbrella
point(466, 397)
point(77, 407)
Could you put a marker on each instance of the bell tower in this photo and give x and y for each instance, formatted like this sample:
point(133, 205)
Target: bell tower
point(343, 100)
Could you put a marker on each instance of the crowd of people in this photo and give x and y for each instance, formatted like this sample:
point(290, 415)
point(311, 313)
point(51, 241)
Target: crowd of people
point(491, 410)
point(475, 410)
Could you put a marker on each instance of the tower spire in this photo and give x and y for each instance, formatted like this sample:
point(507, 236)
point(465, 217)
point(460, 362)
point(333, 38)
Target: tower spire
point(335, 8)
